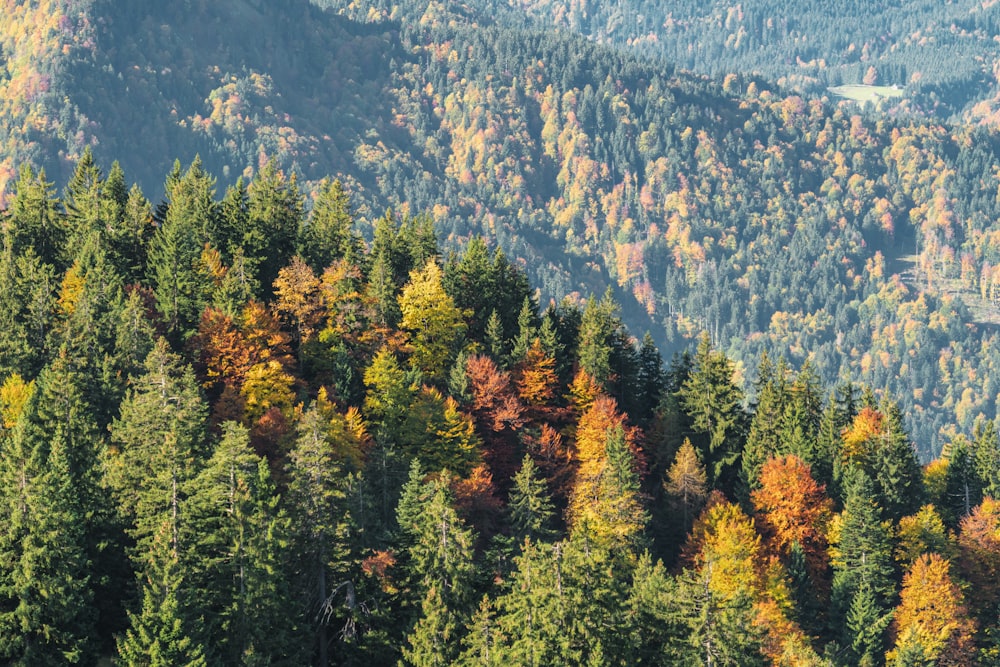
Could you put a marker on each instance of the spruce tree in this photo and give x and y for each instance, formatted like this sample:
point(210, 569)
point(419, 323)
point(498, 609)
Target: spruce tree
point(530, 506)
point(234, 548)
point(317, 505)
point(329, 235)
point(165, 631)
point(176, 249)
point(714, 405)
point(47, 609)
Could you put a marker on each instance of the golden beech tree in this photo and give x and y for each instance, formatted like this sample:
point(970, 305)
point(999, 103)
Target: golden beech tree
point(498, 413)
point(932, 614)
point(725, 547)
point(536, 376)
point(434, 323)
point(920, 533)
point(297, 298)
point(793, 508)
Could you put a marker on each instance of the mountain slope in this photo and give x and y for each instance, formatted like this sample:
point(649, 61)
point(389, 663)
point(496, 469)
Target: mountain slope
point(775, 222)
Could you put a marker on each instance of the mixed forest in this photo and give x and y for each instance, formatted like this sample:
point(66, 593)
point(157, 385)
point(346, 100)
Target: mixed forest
point(859, 240)
point(233, 432)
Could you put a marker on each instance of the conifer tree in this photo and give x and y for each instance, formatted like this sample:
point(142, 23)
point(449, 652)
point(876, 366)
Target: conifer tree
point(986, 446)
point(82, 200)
point(33, 219)
point(157, 446)
point(165, 631)
point(236, 569)
point(440, 569)
point(530, 506)
point(274, 215)
point(714, 405)
point(328, 235)
point(176, 249)
point(864, 553)
point(317, 500)
point(47, 608)
point(527, 331)
point(686, 486)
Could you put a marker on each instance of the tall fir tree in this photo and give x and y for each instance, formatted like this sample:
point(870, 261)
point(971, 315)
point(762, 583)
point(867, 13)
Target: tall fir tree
point(317, 505)
point(176, 249)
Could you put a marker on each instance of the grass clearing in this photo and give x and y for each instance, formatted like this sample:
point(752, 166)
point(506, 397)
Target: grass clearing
point(859, 92)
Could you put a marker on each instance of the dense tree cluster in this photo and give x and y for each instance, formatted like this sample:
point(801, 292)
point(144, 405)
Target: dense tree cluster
point(859, 240)
point(232, 433)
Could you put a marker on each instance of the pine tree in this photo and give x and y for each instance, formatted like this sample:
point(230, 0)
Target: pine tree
point(132, 245)
point(527, 331)
point(440, 569)
point(164, 632)
point(651, 380)
point(986, 447)
point(157, 445)
point(274, 215)
point(863, 553)
point(83, 200)
point(47, 610)
point(176, 249)
point(33, 220)
point(865, 626)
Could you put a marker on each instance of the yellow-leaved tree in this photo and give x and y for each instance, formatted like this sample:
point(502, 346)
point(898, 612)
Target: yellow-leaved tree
point(931, 617)
point(434, 324)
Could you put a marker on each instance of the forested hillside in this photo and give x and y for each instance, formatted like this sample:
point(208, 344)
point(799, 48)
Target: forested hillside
point(943, 56)
point(858, 241)
point(232, 432)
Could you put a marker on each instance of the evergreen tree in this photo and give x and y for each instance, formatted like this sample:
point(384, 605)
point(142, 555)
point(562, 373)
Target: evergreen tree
point(986, 447)
point(764, 439)
point(33, 219)
point(157, 445)
point(47, 609)
point(176, 249)
point(83, 201)
point(328, 235)
point(651, 380)
point(714, 405)
point(530, 506)
point(963, 490)
point(864, 555)
point(527, 331)
point(132, 246)
point(865, 626)
point(440, 569)
point(164, 632)
point(318, 492)
point(274, 215)
point(237, 572)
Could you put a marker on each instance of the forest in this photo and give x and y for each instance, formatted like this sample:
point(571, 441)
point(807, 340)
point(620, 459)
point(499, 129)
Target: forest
point(234, 432)
point(858, 239)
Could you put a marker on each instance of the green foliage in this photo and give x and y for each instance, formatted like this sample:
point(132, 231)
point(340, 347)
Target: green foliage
point(530, 506)
point(714, 405)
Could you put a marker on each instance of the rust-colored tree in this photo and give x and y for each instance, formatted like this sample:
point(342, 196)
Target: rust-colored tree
point(794, 509)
